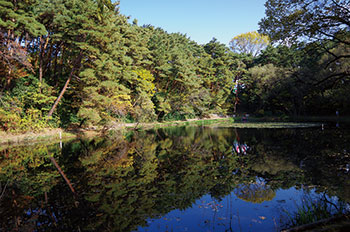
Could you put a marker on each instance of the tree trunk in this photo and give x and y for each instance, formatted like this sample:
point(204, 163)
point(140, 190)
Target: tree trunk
point(41, 62)
point(75, 67)
point(237, 77)
point(61, 95)
point(43, 46)
point(235, 106)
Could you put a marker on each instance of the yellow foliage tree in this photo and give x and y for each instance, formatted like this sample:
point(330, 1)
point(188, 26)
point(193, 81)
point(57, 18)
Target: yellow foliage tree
point(143, 90)
point(249, 43)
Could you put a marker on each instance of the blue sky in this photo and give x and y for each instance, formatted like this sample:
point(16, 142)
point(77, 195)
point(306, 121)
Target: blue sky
point(201, 20)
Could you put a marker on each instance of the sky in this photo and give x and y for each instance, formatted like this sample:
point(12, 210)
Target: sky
point(201, 20)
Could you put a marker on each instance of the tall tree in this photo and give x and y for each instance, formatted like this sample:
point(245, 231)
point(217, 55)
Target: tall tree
point(73, 24)
point(108, 78)
point(174, 66)
point(17, 25)
point(290, 20)
point(324, 26)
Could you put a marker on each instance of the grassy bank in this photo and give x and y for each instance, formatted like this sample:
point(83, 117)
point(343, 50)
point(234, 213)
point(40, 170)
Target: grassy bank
point(60, 134)
point(228, 122)
point(190, 122)
point(44, 135)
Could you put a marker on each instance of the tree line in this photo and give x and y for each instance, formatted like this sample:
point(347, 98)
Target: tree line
point(74, 62)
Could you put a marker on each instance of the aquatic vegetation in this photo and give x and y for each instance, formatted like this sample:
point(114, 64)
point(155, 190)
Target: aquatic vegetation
point(313, 209)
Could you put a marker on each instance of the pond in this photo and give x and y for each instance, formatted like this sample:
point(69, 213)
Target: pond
point(174, 179)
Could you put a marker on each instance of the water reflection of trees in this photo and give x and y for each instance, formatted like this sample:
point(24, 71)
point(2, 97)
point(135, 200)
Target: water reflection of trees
point(303, 157)
point(168, 171)
point(256, 192)
point(25, 175)
point(121, 181)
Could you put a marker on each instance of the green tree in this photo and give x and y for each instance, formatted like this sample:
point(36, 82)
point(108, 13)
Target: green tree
point(290, 20)
point(282, 56)
point(177, 77)
point(17, 25)
point(220, 80)
point(272, 90)
point(325, 22)
point(103, 94)
point(76, 33)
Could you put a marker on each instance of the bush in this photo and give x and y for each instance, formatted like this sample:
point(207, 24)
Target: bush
point(26, 107)
point(9, 121)
point(33, 121)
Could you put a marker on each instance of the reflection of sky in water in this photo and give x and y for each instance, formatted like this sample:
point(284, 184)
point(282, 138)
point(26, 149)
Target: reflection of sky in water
point(230, 214)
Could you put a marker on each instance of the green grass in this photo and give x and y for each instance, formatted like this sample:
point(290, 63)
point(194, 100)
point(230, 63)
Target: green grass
point(228, 122)
point(202, 122)
point(313, 210)
point(274, 125)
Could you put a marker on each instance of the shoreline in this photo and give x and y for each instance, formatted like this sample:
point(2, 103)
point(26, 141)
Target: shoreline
point(57, 134)
point(9, 139)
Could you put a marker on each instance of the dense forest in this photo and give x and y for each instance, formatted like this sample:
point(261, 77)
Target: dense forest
point(74, 63)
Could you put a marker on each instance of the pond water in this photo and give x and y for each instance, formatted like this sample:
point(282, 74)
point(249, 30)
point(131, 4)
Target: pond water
point(173, 179)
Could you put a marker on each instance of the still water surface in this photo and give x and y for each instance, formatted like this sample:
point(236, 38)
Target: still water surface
point(174, 179)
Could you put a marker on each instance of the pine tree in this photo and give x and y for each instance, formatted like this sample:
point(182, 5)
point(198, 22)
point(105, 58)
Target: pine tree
point(17, 26)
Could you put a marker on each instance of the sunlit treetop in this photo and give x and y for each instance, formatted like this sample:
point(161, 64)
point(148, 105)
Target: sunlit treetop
point(249, 43)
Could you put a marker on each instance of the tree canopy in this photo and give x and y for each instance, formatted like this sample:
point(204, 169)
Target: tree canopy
point(290, 20)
